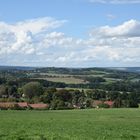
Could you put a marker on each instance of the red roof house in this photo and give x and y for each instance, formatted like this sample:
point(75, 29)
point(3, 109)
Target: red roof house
point(110, 103)
point(39, 106)
point(23, 104)
point(7, 105)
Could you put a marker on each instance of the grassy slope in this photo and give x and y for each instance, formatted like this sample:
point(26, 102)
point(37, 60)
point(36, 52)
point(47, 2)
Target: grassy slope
point(109, 124)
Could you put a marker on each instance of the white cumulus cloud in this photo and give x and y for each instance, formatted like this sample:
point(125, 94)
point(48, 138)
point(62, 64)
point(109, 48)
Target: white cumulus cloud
point(129, 28)
point(36, 42)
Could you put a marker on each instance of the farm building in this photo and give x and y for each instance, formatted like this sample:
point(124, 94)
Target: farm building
point(110, 103)
point(97, 103)
point(8, 105)
point(39, 106)
point(22, 105)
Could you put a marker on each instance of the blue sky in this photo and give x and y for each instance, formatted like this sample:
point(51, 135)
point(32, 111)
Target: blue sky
point(71, 33)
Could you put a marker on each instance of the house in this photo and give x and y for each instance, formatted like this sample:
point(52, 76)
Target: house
point(96, 103)
point(110, 103)
point(23, 104)
point(8, 105)
point(39, 106)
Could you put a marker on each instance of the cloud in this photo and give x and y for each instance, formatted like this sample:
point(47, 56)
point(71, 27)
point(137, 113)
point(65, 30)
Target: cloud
point(116, 1)
point(33, 25)
point(119, 43)
point(37, 42)
point(22, 37)
point(129, 28)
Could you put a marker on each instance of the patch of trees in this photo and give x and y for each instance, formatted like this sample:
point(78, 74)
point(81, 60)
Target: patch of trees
point(2, 81)
point(126, 86)
point(59, 99)
point(35, 92)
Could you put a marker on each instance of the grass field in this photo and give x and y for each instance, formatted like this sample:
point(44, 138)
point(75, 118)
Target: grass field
point(107, 124)
point(67, 80)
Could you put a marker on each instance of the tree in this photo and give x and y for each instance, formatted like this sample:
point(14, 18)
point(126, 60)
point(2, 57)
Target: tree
point(88, 102)
point(2, 80)
point(3, 90)
point(81, 102)
point(57, 104)
point(89, 93)
point(12, 91)
point(63, 94)
point(76, 94)
point(46, 97)
point(32, 89)
point(132, 103)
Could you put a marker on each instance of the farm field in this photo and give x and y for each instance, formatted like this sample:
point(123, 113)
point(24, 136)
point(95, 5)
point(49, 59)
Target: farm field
point(92, 124)
point(67, 80)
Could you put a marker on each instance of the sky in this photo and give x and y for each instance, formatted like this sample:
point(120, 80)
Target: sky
point(70, 33)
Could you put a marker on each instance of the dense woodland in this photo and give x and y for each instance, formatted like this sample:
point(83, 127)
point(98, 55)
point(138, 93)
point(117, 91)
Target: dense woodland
point(26, 85)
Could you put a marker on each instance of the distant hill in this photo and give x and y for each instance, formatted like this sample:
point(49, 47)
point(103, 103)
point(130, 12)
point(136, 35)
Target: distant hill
point(16, 68)
point(127, 69)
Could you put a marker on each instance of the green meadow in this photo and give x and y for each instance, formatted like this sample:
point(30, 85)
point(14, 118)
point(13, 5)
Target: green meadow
point(91, 124)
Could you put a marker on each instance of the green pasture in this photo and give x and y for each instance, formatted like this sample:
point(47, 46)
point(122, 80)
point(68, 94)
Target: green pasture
point(92, 124)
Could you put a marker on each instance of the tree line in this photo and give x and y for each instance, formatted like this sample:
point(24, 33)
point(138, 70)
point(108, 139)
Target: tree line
point(35, 91)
